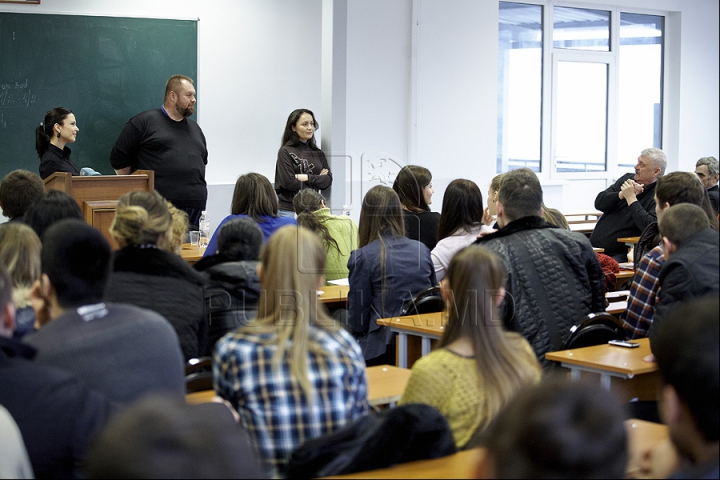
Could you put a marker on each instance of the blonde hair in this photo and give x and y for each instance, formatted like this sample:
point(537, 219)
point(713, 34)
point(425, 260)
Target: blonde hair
point(140, 219)
point(293, 262)
point(475, 276)
point(20, 255)
point(180, 223)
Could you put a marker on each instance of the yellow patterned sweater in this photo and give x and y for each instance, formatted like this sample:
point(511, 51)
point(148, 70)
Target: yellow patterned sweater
point(450, 383)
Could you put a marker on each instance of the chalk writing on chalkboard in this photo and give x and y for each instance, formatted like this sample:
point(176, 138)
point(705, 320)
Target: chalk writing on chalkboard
point(16, 94)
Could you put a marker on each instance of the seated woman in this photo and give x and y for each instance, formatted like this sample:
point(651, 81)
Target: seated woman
point(339, 233)
point(461, 222)
point(413, 185)
point(477, 365)
point(292, 374)
point(233, 288)
point(20, 256)
point(253, 197)
point(490, 216)
point(48, 209)
point(146, 275)
point(179, 228)
point(385, 273)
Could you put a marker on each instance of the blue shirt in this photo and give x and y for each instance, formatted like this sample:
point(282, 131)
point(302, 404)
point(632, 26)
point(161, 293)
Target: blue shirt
point(268, 225)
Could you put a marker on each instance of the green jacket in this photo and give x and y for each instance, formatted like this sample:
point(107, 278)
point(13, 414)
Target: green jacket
point(345, 232)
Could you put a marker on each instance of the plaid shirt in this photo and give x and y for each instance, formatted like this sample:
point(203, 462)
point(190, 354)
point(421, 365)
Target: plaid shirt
point(643, 295)
point(271, 403)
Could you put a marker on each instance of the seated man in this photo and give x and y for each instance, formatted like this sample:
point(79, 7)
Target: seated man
point(686, 350)
point(164, 437)
point(557, 429)
point(120, 350)
point(233, 290)
point(672, 189)
point(628, 206)
point(18, 190)
point(554, 277)
point(55, 411)
point(707, 171)
point(692, 259)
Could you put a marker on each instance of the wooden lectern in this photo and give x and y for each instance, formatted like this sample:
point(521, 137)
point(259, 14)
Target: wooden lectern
point(98, 195)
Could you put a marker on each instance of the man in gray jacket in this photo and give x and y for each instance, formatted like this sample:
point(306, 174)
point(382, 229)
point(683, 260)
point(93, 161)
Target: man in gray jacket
point(554, 276)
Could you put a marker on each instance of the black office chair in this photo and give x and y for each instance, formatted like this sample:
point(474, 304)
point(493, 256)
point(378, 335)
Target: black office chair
point(428, 300)
point(199, 364)
point(594, 329)
point(198, 382)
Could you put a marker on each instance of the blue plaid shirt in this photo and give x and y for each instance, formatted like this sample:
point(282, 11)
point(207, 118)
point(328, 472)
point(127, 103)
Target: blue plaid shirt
point(271, 403)
point(644, 289)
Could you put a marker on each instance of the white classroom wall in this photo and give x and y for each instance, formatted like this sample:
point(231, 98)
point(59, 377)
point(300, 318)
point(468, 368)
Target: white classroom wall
point(420, 85)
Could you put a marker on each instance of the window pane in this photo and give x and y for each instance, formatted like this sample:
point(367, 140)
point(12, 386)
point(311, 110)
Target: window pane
point(519, 86)
point(640, 86)
point(581, 117)
point(581, 29)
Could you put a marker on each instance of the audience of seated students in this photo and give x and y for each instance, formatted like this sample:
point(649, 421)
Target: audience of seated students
point(706, 169)
point(233, 288)
point(146, 275)
point(18, 190)
point(413, 184)
point(555, 278)
point(672, 189)
point(14, 460)
point(177, 232)
point(490, 214)
point(20, 256)
point(557, 429)
point(685, 347)
point(339, 233)
point(628, 205)
point(120, 350)
point(477, 366)
point(461, 221)
point(386, 272)
point(55, 411)
point(692, 259)
point(293, 374)
point(48, 209)
point(253, 197)
point(165, 437)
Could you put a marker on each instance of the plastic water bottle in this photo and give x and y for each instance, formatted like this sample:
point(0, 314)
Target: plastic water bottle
point(204, 229)
point(346, 210)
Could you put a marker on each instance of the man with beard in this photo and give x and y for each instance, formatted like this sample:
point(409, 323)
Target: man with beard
point(169, 142)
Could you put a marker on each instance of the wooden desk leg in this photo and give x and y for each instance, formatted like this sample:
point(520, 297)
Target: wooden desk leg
point(425, 346)
point(402, 350)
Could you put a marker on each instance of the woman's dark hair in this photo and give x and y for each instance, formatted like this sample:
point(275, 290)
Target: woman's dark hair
point(44, 131)
point(305, 203)
point(290, 137)
point(254, 196)
point(409, 185)
point(462, 207)
point(48, 209)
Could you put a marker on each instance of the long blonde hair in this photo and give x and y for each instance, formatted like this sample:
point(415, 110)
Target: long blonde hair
point(475, 277)
point(20, 255)
point(293, 263)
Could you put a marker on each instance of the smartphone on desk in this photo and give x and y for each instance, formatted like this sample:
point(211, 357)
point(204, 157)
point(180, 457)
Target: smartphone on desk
point(624, 343)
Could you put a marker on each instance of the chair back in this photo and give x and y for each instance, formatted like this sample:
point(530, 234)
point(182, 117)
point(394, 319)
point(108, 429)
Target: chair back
point(594, 329)
point(199, 381)
point(428, 300)
point(198, 364)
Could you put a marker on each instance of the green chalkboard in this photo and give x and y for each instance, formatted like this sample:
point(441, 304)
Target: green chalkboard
point(104, 69)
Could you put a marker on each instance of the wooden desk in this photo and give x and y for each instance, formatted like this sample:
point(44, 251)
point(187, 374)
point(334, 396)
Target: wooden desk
point(425, 328)
point(642, 436)
point(334, 296)
point(386, 384)
point(629, 241)
point(637, 378)
point(191, 253)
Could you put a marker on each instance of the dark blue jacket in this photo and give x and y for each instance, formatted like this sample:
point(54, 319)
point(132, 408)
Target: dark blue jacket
point(408, 269)
point(56, 413)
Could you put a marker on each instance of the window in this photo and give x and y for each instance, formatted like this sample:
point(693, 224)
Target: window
point(580, 89)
